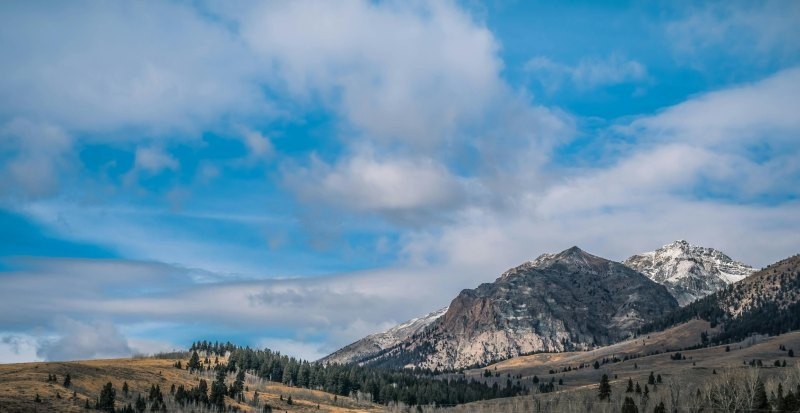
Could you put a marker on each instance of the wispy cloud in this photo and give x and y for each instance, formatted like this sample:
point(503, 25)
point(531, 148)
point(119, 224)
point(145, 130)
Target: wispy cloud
point(587, 74)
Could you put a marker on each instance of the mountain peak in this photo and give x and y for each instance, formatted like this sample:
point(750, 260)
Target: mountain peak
point(688, 271)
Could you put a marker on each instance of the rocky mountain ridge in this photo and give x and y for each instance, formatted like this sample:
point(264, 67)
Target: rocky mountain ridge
point(689, 272)
point(572, 300)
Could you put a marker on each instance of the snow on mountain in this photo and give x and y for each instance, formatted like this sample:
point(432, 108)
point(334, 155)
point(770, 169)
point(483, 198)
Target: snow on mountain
point(375, 343)
point(689, 272)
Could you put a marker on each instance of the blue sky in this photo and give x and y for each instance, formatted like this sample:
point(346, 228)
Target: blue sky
point(300, 174)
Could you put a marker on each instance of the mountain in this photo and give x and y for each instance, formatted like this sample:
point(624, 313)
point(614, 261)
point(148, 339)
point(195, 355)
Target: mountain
point(373, 344)
point(567, 301)
point(689, 272)
point(767, 302)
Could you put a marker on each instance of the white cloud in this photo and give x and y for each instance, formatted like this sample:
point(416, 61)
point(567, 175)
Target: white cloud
point(765, 110)
point(154, 160)
point(756, 31)
point(396, 71)
point(18, 348)
point(364, 183)
point(589, 73)
point(37, 156)
point(97, 66)
point(79, 341)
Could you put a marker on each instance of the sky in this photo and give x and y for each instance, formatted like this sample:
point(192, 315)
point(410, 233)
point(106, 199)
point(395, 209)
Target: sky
point(297, 175)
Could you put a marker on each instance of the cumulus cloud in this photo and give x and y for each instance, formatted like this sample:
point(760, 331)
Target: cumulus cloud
point(18, 348)
point(589, 73)
point(81, 340)
point(366, 183)
point(96, 66)
point(396, 71)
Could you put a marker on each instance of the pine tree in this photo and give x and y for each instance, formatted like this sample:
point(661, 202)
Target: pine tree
point(791, 353)
point(660, 408)
point(760, 397)
point(628, 406)
point(194, 362)
point(289, 400)
point(107, 396)
point(218, 390)
point(141, 404)
point(37, 399)
point(67, 380)
point(605, 388)
point(630, 386)
point(652, 379)
point(125, 388)
point(596, 364)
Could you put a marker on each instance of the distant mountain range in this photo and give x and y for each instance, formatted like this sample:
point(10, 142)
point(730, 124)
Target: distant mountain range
point(571, 300)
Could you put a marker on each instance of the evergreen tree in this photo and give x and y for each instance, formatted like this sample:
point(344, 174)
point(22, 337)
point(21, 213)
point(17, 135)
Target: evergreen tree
point(628, 406)
point(37, 399)
point(605, 388)
point(652, 379)
point(596, 364)
point(194, 362)
point(760, 397)
point(141, 404)
point(218, 390)
point(67, 380)
point(107, 396)
point(125, 388)
point(660, 408)
point(289, 400)
point(629, 389)
point(791, 353)
point(238, 385)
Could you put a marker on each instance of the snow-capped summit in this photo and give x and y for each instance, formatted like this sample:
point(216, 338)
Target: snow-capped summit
point(689, 272)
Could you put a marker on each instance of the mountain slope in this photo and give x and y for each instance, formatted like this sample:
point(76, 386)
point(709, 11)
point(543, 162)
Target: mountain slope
point(767, 302)
point(567, 301)
point(689, 272)
point(373, 344)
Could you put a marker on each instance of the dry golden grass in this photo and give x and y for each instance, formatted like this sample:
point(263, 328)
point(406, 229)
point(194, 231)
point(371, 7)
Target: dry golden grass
point(19, 384)
point(691, 374)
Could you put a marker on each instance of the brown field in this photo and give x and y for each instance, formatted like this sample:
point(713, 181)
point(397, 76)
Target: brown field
point(19, 384)
point(701, 367)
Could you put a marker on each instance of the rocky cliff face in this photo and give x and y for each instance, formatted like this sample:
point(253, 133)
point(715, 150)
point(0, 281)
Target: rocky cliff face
point(566, 301)
point(371, 345)
point(689, 272)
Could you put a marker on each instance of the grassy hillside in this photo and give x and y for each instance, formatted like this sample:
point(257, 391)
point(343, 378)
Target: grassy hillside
point(19, 384)
point(701, 370)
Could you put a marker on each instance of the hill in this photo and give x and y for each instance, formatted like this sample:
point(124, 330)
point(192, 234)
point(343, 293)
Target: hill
point(20, 383)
